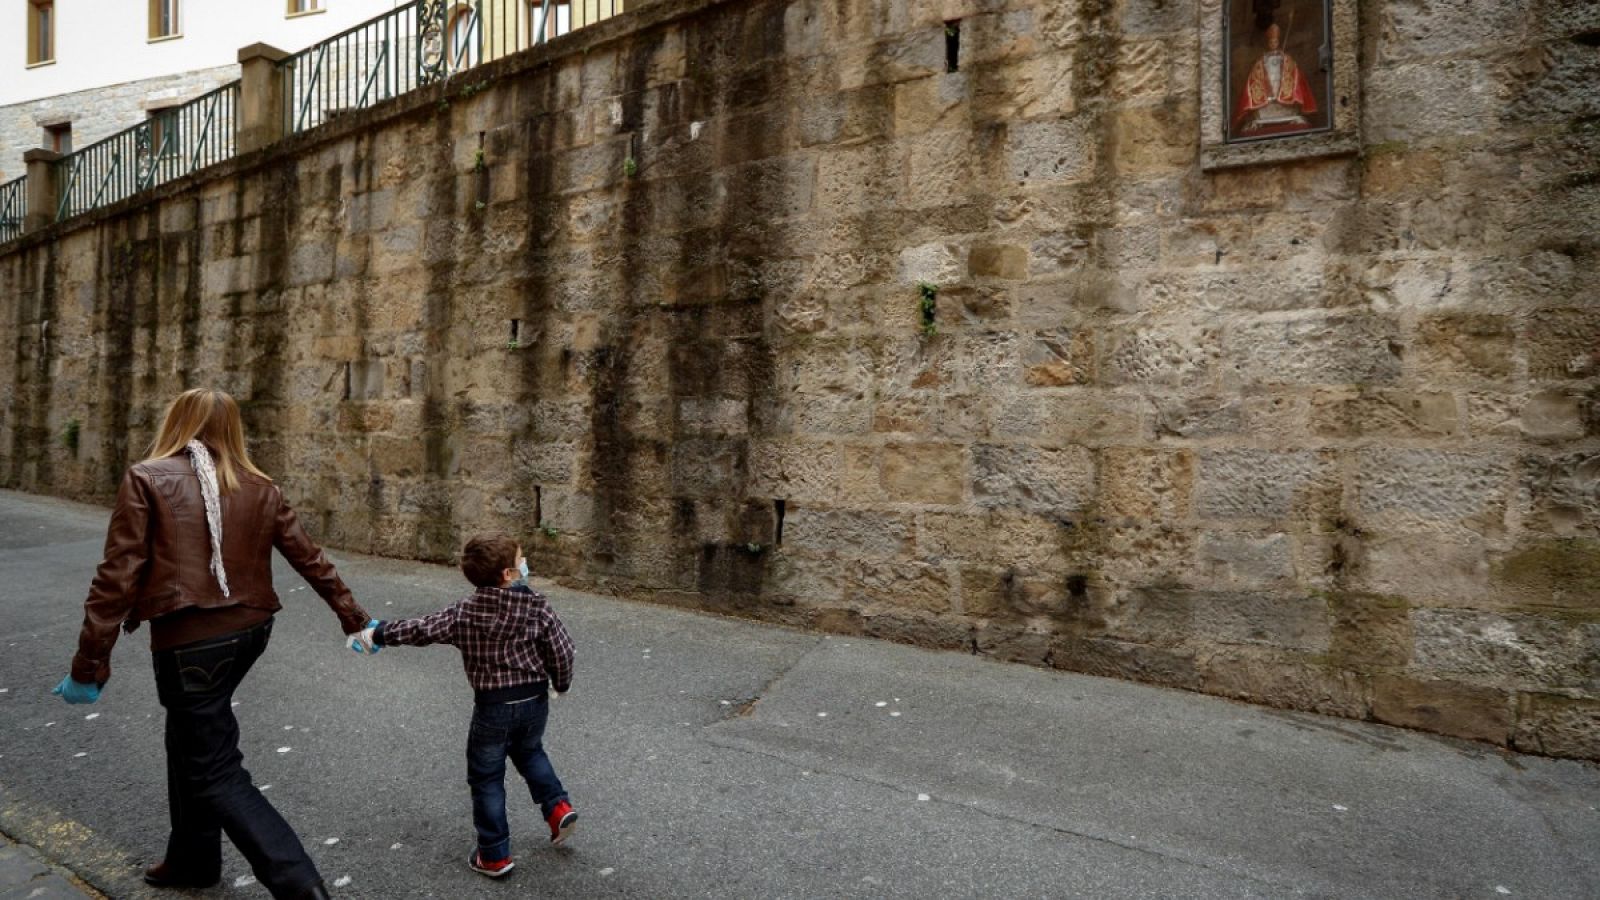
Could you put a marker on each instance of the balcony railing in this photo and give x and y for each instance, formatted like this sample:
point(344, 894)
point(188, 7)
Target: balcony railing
point(410, 46)
point(170, 144)
point(13, 206)
point(418, 44)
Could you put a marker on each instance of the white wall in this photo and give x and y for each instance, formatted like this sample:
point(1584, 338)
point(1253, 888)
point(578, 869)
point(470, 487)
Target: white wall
point(105, 42)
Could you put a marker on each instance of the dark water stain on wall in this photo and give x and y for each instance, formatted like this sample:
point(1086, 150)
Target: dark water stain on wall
point(438, 535)
point(32, 466)
point(259, 338)
point(123, 261)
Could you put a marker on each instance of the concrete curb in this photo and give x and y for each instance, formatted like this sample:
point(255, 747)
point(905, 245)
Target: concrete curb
point(25, 872)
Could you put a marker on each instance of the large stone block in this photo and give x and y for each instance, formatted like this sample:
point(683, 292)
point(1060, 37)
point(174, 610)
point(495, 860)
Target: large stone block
point(1171, 667)
point(1035, 479)
point(1506, 650)
point(1265, 484)
point(1043, 153)
point(1006, 595)
point(1444, 707)
point(1466, 345)
point(997, 538)
point(845, 533)
point(1559, 574)
point(1166, 615)
point(923, 473)
point(1426, 566)
point(1291, 683)
point(1354, 413)
point(1371, 632)
point(1324, 350)
point(1566, 493)
point(1433, 484)
point(1561, 344)
point(1137, 483)
point(1557, 725)
point(1240, 559)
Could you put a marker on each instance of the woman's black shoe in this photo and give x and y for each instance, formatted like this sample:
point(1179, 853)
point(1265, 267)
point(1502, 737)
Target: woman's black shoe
point(318, 891)
point(162, 875)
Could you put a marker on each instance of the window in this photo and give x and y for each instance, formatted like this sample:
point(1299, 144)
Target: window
point(463, 38)
point(557, 21)
point(302, 7)
point(163, 19)
point(58, 138)
point(41, 32)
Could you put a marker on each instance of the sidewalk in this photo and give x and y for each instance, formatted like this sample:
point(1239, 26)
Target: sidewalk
point(718, 758)
point(23, 874)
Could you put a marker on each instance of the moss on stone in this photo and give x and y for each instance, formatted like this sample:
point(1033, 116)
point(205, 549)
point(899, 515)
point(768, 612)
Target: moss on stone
point(1563, 572)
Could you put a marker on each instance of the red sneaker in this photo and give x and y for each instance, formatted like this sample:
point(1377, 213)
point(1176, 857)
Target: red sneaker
point(494, 869)
point(561, 820)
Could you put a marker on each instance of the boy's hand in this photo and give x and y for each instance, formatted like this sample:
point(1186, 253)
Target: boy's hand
point(361, 641)
point(76, 692)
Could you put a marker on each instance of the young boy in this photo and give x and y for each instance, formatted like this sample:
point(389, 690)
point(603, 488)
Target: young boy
point(515, 650)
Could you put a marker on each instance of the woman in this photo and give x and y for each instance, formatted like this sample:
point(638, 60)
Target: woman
point(189, 550)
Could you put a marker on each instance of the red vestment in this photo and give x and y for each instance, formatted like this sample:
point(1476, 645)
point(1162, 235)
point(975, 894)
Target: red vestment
point(1292, 90)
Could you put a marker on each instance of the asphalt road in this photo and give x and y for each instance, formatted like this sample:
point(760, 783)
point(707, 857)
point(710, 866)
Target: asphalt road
point(865, 769)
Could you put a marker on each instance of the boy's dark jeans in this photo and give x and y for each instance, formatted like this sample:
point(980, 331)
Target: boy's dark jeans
point(208, 790)
point(501, 730)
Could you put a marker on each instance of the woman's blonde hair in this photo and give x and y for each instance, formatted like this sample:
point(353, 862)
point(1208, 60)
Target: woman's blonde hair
point(212, 417)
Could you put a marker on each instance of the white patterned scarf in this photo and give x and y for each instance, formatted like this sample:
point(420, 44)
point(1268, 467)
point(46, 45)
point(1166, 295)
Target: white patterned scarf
point(206, 469)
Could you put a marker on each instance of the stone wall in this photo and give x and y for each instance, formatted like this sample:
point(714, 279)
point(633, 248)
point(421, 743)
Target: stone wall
point(1323, 435)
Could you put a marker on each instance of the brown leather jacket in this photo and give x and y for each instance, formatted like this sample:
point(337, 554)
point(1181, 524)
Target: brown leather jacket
point(158, 557)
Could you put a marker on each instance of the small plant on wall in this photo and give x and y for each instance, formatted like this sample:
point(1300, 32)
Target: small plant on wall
point(70, 437)
point(928, 300)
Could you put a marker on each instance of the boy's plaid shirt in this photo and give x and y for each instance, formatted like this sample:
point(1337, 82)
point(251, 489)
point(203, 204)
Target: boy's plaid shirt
point(506, 638)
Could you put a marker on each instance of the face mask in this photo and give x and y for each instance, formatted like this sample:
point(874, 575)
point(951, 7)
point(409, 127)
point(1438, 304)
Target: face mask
point(522, 566)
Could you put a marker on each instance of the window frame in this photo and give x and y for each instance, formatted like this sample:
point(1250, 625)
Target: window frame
point(42, 32)
point(53, 135)
point(315, 7)
point(158, 10)
point(552, 25)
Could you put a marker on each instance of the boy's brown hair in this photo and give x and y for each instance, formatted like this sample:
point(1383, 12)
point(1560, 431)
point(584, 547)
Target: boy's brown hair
point(486, 558)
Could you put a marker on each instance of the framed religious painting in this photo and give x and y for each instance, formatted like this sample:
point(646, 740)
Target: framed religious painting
point(1279, 81)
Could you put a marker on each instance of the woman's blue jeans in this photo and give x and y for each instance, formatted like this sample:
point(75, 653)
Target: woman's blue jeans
point(502, 731)
point(208, 791)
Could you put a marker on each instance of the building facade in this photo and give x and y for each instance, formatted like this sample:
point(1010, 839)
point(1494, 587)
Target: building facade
point(83, 71)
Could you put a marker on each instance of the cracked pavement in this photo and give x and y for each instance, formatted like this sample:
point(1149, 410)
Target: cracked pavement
point(711, 757)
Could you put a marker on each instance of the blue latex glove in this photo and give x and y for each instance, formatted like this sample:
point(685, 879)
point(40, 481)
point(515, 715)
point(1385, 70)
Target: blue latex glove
point(74, 692)
point(361, 641)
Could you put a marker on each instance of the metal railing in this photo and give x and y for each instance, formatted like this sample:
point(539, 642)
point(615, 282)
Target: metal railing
point(417, 44)
point(351, 70)
point(170, 144)
point(13, 206)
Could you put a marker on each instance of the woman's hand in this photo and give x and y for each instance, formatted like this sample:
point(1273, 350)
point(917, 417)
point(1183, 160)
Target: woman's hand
point(362, 641)
point(76, 692)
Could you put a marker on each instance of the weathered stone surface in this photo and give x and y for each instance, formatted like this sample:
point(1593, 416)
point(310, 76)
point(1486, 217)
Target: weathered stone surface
point(1371, 632)
point(1317, 433)
point(1520, 650)
point(1263, 484)
point(1558, 725)
point(1433, 484)
point(1445, 707)
point(1035, 479)
point(1264, 678)
point(1229, 617)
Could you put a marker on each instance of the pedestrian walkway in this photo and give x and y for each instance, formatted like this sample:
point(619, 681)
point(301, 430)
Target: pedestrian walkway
point(23, 874)
point(713, 757)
